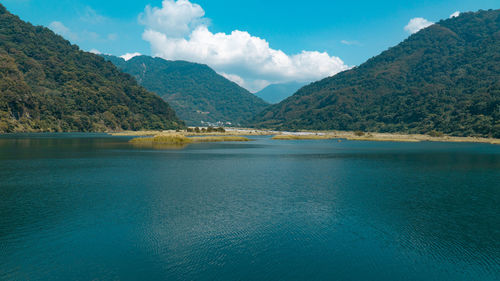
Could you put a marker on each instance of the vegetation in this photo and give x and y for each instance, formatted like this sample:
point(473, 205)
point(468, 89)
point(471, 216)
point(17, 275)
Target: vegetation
point(207, 130)
point(195, 91)
point(193, 132)
point(47, 84)
point(181, 140)
point(435, 134)
point(164, 139)
point(445, 78)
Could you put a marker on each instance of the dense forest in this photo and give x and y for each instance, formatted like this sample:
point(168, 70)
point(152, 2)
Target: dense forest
point(49, 85)
point(445, 78)
point(195, 91)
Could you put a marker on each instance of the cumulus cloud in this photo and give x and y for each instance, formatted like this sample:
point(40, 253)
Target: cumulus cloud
point(179, 31)
point(59, 28)
point(174, 18)
point(455, 14)
point(416, 24)
point(129, 56)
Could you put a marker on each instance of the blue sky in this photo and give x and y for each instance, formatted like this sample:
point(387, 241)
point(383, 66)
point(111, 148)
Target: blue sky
point(351, 31)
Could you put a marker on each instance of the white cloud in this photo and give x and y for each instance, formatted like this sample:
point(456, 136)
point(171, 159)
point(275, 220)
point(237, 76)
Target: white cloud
point(89, 35)
point(455, 14)
point(174, 18)
point(129, 56)
point(416, 24)
point(253, 85)
point(91, 16)
point(95, 51)
point(350, 43)
point(59, 28)
point(82, 35)
point(178, 31)
point(233, 77)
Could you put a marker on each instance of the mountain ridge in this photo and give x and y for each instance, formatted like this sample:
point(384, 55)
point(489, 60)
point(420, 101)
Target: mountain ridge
point(443, 78)
point(49, 85)
point(195, 91)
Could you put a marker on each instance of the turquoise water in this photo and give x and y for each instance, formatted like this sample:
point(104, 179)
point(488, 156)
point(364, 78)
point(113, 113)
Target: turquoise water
point(93, 207)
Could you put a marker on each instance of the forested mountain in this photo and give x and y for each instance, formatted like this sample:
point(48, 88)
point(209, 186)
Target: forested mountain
point(195, 91)
point(47, 84)
point(275, 93)
point(444, 78)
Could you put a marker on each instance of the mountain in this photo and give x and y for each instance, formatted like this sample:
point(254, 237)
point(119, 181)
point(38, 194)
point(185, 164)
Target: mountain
point(275, 93)
point(47, 84)
point(445, 78)
point(195, 91)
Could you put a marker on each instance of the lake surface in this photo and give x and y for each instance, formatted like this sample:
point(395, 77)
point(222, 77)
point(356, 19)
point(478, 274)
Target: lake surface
point(93, 207)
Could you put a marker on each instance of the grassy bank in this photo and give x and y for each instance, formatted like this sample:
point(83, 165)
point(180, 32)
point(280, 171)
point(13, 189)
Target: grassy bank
point(228, 132)
point(179, 141)
point(415, 138)
point(174, 139)
point(309, 135)
point(388, 137)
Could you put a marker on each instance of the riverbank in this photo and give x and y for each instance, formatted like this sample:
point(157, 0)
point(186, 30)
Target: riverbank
point(312, 135)
point(227, 132)
point(393, 137)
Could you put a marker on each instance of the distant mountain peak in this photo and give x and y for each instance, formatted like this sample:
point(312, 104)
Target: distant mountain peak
point(275, 93)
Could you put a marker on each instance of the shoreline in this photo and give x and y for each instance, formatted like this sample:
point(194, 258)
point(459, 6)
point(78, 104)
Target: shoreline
point(311, 135)
point(301, 135)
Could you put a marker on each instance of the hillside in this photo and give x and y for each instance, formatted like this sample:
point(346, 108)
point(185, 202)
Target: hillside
point(195, 91)
point(276, 93)
point(444, 78)
point(47, 84)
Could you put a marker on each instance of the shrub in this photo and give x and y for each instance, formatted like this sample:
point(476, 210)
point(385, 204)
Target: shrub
point(435, 134)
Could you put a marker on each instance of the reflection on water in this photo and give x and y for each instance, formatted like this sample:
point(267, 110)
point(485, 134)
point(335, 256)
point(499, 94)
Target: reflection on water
point(158, 146)
point(96, 207)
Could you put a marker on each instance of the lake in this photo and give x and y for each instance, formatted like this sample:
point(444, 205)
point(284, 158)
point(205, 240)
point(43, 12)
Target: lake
point(94, 207)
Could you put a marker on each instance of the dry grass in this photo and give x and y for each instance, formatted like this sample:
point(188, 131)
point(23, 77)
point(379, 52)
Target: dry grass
point(411, 138)
point(303, 137)
point(386, 137)
point(178, 141)
point(174, 139)
point(228, 132)
point(393, 139)
point(311, 135)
